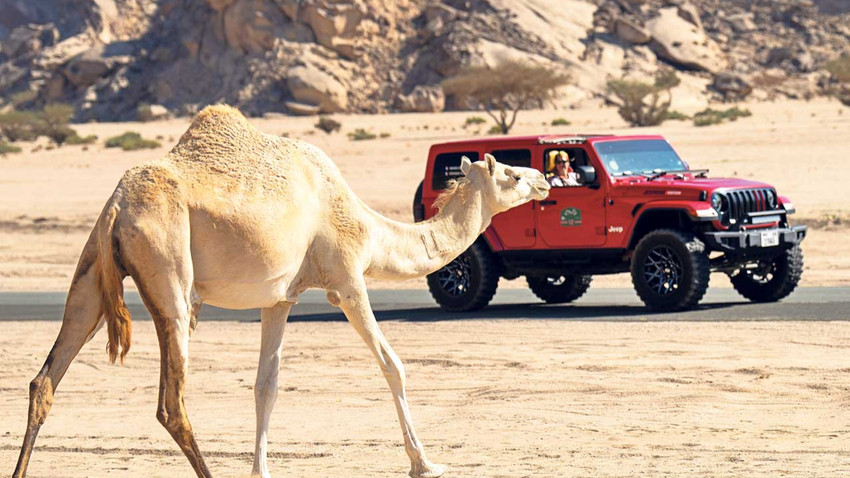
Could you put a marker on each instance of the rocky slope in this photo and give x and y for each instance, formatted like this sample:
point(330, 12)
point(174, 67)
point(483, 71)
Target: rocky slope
point(107, 57)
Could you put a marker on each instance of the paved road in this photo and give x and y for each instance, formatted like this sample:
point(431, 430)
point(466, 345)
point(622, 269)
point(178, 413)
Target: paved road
point(827, 303)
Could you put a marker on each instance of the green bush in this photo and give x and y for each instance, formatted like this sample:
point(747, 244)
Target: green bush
point(676, 116)
point(710, 116)
point(560, 122)
point(385, 135)
point(23, 97)
point(328, 125)
point(495, 129)
point(839, 68)
point(20, 126)
point(473, 120)
point(77, 139)
point(361, 134)
point(6, 148)
point(130, 141)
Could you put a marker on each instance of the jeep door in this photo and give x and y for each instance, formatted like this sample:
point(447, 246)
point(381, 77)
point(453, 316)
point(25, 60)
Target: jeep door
point(514, 227)
point(573, 217)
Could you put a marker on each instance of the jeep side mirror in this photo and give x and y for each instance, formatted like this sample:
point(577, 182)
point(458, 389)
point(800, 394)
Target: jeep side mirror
point(586, 175)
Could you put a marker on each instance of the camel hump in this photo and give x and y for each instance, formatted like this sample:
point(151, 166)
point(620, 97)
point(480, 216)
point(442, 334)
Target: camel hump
point(220, 125)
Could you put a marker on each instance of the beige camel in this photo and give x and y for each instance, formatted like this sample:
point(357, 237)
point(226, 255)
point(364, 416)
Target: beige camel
point(240, 219)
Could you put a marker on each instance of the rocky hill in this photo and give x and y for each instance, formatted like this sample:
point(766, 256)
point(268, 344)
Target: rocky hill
point(108, 57)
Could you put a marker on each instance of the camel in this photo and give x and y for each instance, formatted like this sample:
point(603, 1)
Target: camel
point(240, 219)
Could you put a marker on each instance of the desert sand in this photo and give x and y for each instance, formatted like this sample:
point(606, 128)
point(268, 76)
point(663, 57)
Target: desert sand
point(49, 199)
point(490, 398)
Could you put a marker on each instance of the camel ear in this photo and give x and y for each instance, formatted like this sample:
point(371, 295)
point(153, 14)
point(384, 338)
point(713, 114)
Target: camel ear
point(491, 163)
point(465, 164)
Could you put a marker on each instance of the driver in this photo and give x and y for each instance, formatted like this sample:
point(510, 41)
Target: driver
point(563, 174)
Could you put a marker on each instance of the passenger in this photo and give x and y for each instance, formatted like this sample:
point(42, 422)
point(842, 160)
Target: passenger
point(563, 174)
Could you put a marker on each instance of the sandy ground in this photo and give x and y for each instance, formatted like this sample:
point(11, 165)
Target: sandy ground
point(50, 198)
point(490, 398)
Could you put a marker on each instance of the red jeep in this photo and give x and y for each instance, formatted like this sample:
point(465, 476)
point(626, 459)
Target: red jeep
point(637, 207)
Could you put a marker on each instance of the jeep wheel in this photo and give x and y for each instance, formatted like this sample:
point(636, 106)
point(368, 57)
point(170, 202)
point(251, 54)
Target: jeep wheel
point(559, 290)
point(670, 270)
point(771, 281)
point(466, 283)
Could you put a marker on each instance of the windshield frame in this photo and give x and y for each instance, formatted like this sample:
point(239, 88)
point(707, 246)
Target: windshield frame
point(622, 172)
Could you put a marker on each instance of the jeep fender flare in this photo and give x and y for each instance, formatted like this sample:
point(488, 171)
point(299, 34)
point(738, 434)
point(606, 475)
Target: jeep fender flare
point(657, 214)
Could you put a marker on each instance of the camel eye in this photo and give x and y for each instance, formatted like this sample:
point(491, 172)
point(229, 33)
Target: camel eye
point(516, 177)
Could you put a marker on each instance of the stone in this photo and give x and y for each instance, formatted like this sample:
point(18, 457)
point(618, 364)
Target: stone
point(423, 99)
point(631, 33)
point(690, 13)
point(741, 22)
point(310, 85)
point(28, 39)
point(302, 109)
point(682, 43)
point(731, 86)
point(87, 67)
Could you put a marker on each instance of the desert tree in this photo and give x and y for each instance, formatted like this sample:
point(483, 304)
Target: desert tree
point(642, 103)
point(501, 91)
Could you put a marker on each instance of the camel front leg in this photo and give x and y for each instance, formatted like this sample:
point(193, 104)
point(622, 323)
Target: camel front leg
point(265, 388)
point(355, 305)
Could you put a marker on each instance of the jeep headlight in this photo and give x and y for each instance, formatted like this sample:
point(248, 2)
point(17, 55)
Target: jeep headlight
point(717, 202)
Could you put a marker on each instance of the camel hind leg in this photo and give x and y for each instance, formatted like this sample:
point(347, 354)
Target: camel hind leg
point(160, 263)
point(81, 321)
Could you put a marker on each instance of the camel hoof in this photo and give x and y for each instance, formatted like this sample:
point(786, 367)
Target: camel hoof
point(427, 470)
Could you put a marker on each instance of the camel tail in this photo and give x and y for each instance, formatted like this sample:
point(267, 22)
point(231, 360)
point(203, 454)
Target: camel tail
point(110, 281)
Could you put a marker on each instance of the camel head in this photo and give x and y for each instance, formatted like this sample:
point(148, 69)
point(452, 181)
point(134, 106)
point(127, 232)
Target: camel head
point(503, 186)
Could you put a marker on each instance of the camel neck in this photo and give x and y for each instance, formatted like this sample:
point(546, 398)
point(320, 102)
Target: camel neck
point(403, 251)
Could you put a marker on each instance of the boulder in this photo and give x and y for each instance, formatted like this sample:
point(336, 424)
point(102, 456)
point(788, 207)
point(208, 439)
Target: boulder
point(28, 39)
point(800, 59)
point(423, 99)
point(690, 13)
point(682, 43)
point(312, 86)
point(86, 68)
point(731, 86)
point(301, 109)
point(741, 22)
point(630, 32)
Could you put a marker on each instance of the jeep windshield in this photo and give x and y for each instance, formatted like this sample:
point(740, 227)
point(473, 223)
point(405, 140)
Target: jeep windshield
point(638, 157)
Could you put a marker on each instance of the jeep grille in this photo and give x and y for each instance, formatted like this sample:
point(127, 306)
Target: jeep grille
point(740, 202)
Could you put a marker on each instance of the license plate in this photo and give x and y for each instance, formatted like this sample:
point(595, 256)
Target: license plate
point(769, 238)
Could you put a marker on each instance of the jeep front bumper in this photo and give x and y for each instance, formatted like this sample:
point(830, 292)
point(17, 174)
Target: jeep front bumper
point(747, 241)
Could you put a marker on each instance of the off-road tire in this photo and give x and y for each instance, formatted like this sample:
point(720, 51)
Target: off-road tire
point(418, 209)
point(786, 270)
point(689, 264)
point(552, 292)
point(483, 278)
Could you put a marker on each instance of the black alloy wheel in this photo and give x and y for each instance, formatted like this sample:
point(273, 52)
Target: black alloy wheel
point(467, 283)
point(670, 270)
point(771, 280)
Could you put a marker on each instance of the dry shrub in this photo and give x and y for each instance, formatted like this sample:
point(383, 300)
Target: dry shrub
point(328, 125)
point(505, 89)
point(644, 104)
point(6, 148)
point(130, 141)
point(19, 126)
point(710, 116)
point(361, 134)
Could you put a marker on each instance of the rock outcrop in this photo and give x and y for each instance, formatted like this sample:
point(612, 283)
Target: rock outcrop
point(107, 57)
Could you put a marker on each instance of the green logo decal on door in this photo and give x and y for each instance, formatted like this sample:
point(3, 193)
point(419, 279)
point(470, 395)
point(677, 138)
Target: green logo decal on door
point(571, 217)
